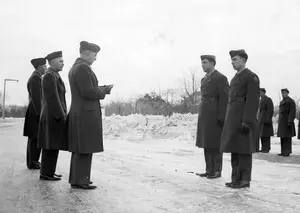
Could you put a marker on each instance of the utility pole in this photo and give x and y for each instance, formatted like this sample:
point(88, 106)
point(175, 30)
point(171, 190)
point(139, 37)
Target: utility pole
point(4, 90)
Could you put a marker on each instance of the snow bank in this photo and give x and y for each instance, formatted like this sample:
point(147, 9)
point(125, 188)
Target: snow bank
point(139, 127)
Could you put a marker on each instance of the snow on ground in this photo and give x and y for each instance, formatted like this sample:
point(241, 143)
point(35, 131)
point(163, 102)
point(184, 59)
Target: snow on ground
point(140, 127)
point(148, 166)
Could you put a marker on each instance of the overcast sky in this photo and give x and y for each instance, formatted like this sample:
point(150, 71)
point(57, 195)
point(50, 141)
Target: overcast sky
point(150, 44)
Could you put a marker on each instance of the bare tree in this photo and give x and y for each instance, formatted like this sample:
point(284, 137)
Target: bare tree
point(191, 84)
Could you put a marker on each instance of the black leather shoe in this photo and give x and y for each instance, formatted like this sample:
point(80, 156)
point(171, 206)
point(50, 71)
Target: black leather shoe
point(50, 178)
point(285, 155)
point(34, 166)
point(280, 154)
point(265, 151)
point(214, 175)
point(203, 174)
point(59, 176)
point(83, 186)
point(229, 184)
point(240, 184)
point(91, 182)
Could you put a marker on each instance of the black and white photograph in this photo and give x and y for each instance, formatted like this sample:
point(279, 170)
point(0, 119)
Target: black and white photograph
point(139, 106)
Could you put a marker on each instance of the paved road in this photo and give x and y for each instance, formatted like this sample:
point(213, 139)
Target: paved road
point(147, 176)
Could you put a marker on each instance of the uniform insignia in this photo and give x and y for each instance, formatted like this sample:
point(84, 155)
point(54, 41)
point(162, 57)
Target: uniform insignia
point(255, 78)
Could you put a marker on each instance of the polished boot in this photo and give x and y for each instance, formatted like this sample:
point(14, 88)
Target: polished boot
point(240, 184)
point(49, 178)
point(83, 186)
point(229, 184)
point(214, 175)
point(203, 174)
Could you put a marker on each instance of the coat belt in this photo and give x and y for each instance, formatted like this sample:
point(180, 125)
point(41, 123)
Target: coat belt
point(206, 100)
point(237, 99)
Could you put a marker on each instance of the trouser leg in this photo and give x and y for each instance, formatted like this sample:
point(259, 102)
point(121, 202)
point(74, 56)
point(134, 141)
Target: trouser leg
point(245, 166)
point(32, 153)
point(235, 176)
point(49, 161)
point(217, 160)
point(208, 160)
point(80, 169)
point(287, 146)
point(266, 143)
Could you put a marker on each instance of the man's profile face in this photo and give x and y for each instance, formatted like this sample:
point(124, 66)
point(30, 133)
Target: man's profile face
point(58, 63)
point(92, 57)
point(42, 69)
point(207, 65)
point(237, 62)
point(262, 94)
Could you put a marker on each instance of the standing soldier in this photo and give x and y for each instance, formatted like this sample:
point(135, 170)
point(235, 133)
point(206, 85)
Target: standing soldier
point(266, 110)
point(239, 132)
point(85, 116)
point(286, 127)
point(33, 112)
point(52, 128)
point(214, 91)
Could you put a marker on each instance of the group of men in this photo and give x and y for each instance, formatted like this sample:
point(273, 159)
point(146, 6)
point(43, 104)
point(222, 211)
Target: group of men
point(232, 117)
point(48, 125)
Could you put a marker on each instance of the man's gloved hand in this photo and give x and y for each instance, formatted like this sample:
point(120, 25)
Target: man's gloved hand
point(108, 88)
point(245, 127)
point(290, 124)
point(220, 122)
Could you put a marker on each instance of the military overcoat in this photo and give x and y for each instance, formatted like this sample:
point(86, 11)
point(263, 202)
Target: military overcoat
point(85, 116)
point(214, 99)
point(33, 111)
point(266, 111)
point(52, 132)
point(287, 114)
point(242, 107)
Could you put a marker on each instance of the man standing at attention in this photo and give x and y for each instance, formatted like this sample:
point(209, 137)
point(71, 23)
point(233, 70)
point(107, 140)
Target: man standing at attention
point(286, 127)
point(214, 92)
point(85, 116)
point(52, 128)
point(266, 110)
point(239, 132)
point(33, 112)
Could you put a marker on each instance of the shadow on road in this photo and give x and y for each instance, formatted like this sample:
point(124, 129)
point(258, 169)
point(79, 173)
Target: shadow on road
point(274, 158)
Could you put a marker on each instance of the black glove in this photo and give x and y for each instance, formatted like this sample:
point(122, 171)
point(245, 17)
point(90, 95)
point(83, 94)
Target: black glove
point(220, 122)
point(290, 124)
point(245, 128)
point(108, 89)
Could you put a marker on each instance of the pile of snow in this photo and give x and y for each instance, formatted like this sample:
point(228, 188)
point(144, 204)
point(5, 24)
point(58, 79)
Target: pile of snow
point(139, 127)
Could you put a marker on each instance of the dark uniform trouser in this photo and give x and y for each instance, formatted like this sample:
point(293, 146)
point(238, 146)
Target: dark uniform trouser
point(265, 143)
point(32, 153)
point(286, 145)
point(49, 161)
point(80, 168)
point(213, 160)
point(241, 167)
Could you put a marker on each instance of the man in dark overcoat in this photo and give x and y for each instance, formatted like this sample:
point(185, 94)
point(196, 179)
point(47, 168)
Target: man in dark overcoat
point(52, 135)
point(286, 127)
point(33, 112)
point(85, 116)
point(239, 131)
point(214, 92)
point(266, 111)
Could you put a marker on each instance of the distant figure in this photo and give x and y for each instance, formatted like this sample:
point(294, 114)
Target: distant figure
point(52, 135)
point(266, 111)
point(214, 90)
point(286, 127)
point(33, 112)
point(85, 116)
point(239, 132)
